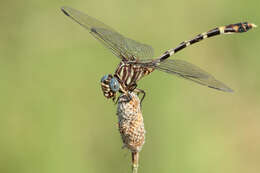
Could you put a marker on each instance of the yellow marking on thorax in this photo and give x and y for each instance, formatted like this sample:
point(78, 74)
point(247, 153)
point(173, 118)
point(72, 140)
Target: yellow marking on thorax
point(128, 80)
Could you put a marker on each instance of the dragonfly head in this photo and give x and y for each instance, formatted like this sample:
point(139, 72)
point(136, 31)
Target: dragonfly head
point(109, 86)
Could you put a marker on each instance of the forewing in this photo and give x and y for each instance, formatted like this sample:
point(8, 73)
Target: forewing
point(139, 50)
point(191, 72)
point(121, 46)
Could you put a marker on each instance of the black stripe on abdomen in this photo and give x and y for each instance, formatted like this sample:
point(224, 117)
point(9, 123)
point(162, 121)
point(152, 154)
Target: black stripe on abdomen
point(213, 32)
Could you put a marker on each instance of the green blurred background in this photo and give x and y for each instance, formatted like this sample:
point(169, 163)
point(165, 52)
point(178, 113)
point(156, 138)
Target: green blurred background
point(55, 119)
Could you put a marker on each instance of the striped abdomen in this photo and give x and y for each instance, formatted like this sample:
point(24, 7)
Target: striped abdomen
point(129, 74)
point(228, 29)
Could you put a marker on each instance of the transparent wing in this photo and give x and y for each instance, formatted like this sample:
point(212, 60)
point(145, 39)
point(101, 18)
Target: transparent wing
point(191, 72)
point(121, 46)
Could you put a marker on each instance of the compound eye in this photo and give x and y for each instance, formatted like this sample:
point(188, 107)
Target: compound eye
point(104, 78)
point(114, 85)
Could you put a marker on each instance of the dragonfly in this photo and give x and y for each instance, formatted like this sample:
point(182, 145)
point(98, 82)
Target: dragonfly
point(137, 59)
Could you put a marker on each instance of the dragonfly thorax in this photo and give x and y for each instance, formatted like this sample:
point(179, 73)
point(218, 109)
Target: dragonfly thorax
point(109, 86)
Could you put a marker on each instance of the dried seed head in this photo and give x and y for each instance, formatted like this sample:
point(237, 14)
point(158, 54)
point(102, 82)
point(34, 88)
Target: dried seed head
point(130, 122)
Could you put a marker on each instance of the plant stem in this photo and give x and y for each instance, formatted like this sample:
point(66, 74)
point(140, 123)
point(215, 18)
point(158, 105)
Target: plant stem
point(135, 159)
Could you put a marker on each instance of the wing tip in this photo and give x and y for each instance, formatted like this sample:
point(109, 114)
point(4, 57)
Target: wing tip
point(229, 90)
point(63, 9)
point(224, 89)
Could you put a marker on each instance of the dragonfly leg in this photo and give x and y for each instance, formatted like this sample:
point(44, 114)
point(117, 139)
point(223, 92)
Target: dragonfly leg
point(115, 100)
point(126, 98)
point(138, 91)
